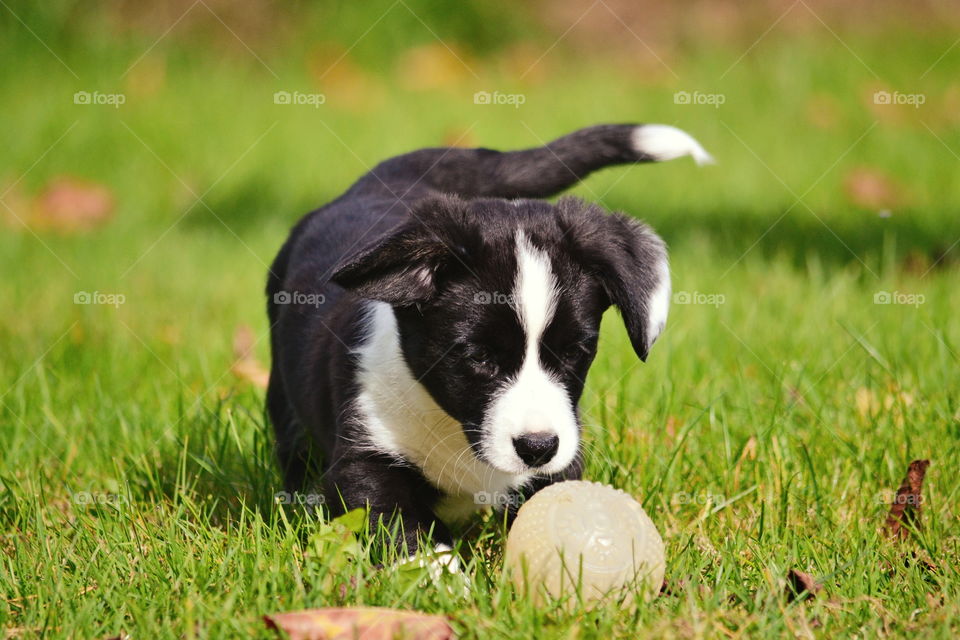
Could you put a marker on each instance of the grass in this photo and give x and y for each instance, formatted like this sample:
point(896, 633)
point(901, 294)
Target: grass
point(764, 434)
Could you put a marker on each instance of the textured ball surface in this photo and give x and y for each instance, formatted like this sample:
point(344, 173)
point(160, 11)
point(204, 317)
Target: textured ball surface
point(577, 530)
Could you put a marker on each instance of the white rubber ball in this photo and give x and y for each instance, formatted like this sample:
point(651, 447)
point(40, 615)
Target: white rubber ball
point(588, 534)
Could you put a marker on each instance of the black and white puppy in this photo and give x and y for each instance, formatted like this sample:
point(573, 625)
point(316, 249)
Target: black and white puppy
point(433, 326)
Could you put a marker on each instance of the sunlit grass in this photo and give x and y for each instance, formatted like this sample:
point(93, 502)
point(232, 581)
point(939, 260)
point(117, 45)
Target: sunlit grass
point(774, 416)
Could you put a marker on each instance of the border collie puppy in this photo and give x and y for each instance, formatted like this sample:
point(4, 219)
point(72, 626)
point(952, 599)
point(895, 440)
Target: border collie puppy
point(433, 326)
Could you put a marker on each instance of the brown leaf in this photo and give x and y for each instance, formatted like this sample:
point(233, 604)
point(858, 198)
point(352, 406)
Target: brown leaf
point(360, 623)
point(432, 66)
point(905, 510)
point(244, 340)
point(801, 586)
point(342, 82)
point(70, 205)
point(871, 189)
point(247, 367)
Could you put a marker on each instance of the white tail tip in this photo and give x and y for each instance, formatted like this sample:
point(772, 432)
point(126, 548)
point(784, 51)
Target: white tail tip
point(663, 142)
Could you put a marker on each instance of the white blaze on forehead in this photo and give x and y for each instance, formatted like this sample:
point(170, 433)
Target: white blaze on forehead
point(533, 400)
point(535, 292)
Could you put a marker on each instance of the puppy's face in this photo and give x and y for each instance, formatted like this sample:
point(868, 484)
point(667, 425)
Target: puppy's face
point(498, 306)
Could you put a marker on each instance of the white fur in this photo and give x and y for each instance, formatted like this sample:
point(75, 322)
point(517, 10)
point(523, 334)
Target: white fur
point(400, 418)
point(663, 142)
point(659, 304)
point(533, 401)
point(442, 560)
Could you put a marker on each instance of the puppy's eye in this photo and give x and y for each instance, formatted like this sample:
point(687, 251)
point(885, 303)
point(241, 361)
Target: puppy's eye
point(483, 363)
point(574, 353)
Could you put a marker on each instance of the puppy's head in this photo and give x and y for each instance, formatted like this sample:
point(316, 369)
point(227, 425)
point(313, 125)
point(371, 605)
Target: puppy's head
point(498, 306)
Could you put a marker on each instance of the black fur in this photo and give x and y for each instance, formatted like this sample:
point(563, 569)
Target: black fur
point(428, 232)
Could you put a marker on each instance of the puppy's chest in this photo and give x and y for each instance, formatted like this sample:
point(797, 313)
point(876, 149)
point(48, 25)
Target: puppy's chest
point(408, 427)
point(397, 416)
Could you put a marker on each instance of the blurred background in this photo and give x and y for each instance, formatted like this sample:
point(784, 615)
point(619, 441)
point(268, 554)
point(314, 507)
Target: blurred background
point(173, 115)
point(153, 156)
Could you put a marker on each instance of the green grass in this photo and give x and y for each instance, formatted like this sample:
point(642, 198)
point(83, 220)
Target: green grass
point(764, 434)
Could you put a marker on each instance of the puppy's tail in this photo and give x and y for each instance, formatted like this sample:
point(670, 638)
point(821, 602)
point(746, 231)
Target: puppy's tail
point(542, 171)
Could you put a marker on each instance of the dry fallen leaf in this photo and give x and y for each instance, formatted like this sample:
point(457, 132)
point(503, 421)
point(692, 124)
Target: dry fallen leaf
point(360, 623)
point(871, 189)
point(246, 366)
point(69, 205)
point(342, 82)
point(801, 586)
point(905, 509)
point(432, 66)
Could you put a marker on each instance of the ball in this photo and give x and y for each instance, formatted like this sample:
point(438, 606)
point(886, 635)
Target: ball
point(587, 535)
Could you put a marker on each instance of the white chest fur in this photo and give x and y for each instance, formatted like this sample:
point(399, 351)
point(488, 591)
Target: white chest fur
point(400, 418)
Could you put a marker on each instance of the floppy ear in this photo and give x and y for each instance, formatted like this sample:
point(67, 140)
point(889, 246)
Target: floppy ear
point(401, 268)
point(630, 262)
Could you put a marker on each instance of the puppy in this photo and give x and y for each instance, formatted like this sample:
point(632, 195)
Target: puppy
point(432, 327)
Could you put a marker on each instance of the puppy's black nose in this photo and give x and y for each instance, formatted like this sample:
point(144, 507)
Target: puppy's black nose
point(536, 449)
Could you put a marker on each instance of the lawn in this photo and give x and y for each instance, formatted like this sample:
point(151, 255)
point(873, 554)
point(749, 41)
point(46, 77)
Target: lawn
point(812, 351)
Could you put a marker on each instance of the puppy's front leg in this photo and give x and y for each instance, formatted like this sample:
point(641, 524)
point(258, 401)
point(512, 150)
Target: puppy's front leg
point(390, 493)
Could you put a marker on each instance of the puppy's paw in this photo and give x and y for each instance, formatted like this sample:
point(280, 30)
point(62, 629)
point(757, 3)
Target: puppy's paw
point(443, 568)
point(437, 562)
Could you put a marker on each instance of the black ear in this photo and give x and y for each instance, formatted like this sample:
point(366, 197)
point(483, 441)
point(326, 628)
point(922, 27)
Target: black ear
point(402, 267)
point(630, 262)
